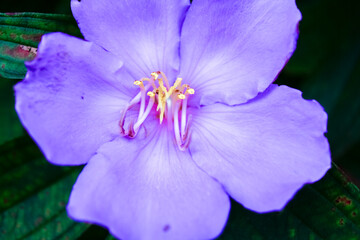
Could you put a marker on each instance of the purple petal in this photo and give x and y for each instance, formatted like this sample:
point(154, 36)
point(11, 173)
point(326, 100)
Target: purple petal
point(148, 189)
point(144, 33)
point(71, 98)
point(263, 151)
point(232, 50)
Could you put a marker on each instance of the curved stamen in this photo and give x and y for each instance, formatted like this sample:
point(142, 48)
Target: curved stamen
point(170, 110)
point(186, 136)
point(137, 99)
point(146, 113)
point(142, 101)
point(183, 116)
point(132, 102)
point(176, 124)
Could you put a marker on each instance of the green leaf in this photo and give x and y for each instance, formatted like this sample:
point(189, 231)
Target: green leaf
point(20, 34)
point(33, 194)
point(18, 152)
point(328, 209)
point(10, 126)
point(25, 175)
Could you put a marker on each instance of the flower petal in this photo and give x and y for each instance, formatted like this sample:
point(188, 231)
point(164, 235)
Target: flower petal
point(262, 151)
point(145, 33)
point(148, 189)
point(232, 50)
point(71, 98)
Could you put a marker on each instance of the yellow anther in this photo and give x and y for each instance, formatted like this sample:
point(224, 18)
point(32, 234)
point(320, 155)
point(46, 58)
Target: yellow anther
point(154, 75)
point(190, 91)
point(181, 96)
point(176, 84)
point(137, 83)
point(163, 88)
point(163, 91)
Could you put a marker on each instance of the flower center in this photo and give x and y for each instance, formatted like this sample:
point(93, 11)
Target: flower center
point(169, 99)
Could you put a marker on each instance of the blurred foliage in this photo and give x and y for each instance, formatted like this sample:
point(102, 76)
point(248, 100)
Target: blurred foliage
point(33, 194)
point(10, 126)
point(325, 66)
point(20, 34)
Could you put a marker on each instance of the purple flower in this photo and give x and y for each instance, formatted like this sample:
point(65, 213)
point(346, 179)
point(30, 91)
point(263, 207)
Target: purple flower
point(172, 108)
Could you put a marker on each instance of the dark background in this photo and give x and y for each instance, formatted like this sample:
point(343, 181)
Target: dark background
point(325, 67)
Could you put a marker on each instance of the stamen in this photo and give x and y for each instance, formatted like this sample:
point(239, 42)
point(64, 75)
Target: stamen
point(169, 99)
point(122, 120)
point(181, 96)
point(136, 99)
point(183, 117)
point(146, 113)
point(176, 85)
point(137, 82)
point(151, 80)
point(162, 102)
point(165, 79)
point(170, 110)
point(142, 102)
point(154, 75)
point(176, 124)
point(151, 94)
point(190, 91)
point(183, 140)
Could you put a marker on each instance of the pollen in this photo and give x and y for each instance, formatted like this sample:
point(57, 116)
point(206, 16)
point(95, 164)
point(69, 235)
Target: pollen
point(163, 93)
point(190, 91)
point(181, 96)
point(137, 83)
point(155, 75)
